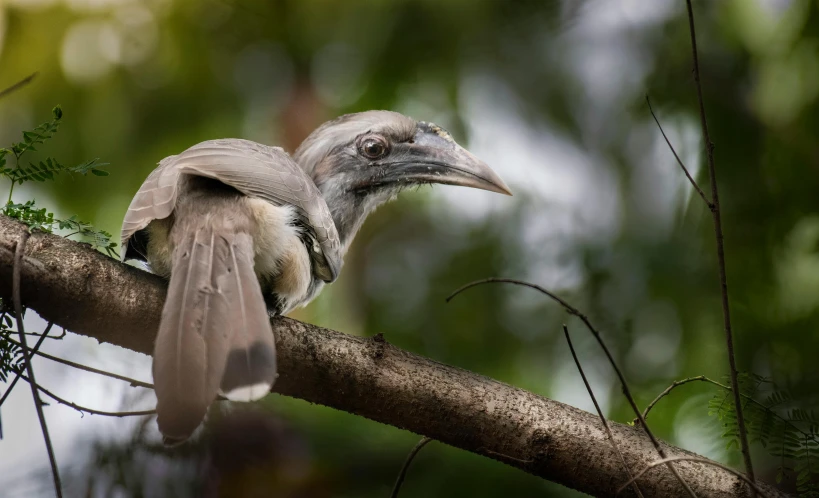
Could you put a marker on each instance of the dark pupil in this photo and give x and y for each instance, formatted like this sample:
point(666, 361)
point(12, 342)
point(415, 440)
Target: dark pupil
point(373, 148)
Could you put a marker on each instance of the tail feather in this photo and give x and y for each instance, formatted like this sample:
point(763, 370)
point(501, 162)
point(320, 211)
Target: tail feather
point(251, 362)
point(215, 333)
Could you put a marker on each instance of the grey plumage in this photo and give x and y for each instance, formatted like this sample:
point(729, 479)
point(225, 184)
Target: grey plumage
point(196, 209)
point(253, 169)
point(242, 230)
point(417, 152)
point(215, 334)
point(313, 152)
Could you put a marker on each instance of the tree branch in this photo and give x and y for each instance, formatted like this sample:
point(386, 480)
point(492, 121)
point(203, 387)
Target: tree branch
point(715, 212)
point(623, 383)
point(603, 420)
point(34, 350)
point(84, 410)
point(698, 460)
point(748, 399)
point(404, 468)
point(86, 368)
point(94, 295)
point(19, 249)
point(674, 385)
point(677, 157)
point(20, 84)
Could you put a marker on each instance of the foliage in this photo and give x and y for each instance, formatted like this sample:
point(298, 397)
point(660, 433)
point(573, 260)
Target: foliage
point(11, 355)
point(788, 433)
point(42, 219)
point(44, 170)
point(39, 218)
point(38, 135)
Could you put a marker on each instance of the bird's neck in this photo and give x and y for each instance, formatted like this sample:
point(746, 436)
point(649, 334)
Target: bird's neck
point(349, 209)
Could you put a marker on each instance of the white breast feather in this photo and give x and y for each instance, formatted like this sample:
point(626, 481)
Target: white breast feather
point(280, 256)
point(280, 253)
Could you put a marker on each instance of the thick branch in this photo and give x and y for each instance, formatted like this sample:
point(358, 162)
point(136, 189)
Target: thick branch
point(93, 295)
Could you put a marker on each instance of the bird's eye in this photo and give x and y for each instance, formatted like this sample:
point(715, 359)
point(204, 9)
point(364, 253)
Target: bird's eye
point(373, 148)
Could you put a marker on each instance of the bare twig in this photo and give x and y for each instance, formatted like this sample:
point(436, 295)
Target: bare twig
point(675, 384)
point(715, 212)
point(80, 366)
point(38, 404)
point(698, 460)
point(679, 161)
point(407, 463)
point(104, 373)
point(749, 399)
point(20, 84)
point(83, 409)
point(626, 391)
point(9, 333)
point(504, 456)
point(17, 375)
point(26, 358)
point(599, 411)
point(37, 334)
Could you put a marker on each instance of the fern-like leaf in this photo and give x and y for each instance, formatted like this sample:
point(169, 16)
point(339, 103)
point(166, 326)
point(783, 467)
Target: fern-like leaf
point(38, 135)
point(790, 435)
point(11, 355)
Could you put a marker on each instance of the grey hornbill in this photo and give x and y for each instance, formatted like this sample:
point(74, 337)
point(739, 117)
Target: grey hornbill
point(241, 229)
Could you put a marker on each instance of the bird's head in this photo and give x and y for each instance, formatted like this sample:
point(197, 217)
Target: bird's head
point(359, 161)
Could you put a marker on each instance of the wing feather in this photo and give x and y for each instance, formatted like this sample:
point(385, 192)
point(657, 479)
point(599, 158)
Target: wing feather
point(254, 169)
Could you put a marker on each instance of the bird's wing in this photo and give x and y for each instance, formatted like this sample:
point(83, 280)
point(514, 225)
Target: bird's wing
point(155, 200)
point(254, 169)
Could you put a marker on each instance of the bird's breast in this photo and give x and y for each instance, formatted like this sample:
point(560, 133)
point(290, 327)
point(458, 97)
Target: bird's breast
point(282, 262)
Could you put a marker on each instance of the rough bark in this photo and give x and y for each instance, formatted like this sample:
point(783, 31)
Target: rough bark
point(93, 295)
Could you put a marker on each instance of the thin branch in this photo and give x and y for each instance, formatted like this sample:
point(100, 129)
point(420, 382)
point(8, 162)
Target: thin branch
point(26, 358)
point(715, 212)
point(80, 366)
point(626, 391)
point(401, 475)
point(38, 404)
point(675, 384)
point(20, 84)
point(9, 333)
point(104, 373)
point(503, 456)
point(17, 375)
point(749, 399)
point(679, 161)
point(599, 411)
point(83, 409)
point(698, 460)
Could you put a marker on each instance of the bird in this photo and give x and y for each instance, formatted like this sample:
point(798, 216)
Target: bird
point(243, 231)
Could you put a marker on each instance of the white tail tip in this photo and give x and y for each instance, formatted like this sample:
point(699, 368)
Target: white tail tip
point(249, 393)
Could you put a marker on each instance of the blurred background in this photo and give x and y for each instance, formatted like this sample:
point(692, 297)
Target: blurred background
point(552, 95)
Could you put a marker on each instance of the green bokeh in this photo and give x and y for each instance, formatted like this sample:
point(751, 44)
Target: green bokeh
point(188, 70)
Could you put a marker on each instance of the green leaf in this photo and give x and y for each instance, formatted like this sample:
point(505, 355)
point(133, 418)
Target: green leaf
point(91, 165)
point(34, 218)
point(10, 356)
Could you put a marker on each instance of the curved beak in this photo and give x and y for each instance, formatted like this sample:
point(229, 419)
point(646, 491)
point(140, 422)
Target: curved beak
point(434, 157)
